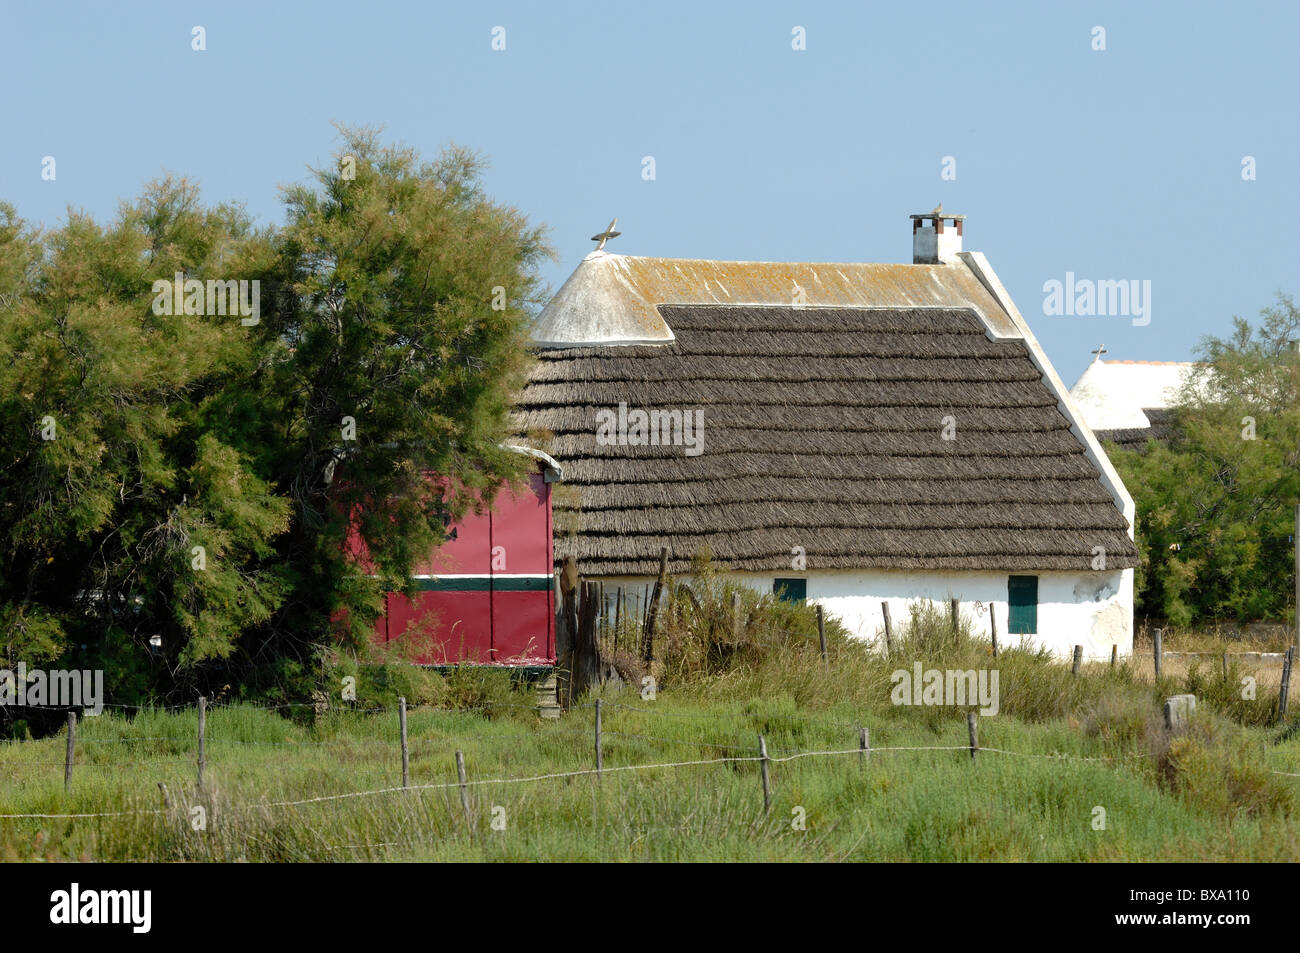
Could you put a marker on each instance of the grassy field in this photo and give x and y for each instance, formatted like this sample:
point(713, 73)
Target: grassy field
point(1068, 747)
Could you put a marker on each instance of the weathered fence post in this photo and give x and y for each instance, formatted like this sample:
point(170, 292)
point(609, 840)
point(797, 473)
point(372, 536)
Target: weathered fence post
point(1114, 654)
point(737, 623)
point(603, 623)
point(953, 609)
point(1078, 659)
point(566, 632)
point(72, 744)
point(889, 629)
point(577, 642)
point(406, 755)
point(203, 730)
point(600, 754)
point(464, 788)
point(821, 630)
point(864, 746)
point(652, 610)
point(974, 735)
point(588, 654)
point(993, 628)
point(767, 791)
point(1157, 649)
point(618, 614)
point(1284, 689)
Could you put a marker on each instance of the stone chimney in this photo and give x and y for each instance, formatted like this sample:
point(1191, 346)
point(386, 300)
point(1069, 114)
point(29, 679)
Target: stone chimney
point(936, 237)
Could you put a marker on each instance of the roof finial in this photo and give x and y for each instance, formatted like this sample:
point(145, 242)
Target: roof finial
point(606, 235)
point(1099, 352)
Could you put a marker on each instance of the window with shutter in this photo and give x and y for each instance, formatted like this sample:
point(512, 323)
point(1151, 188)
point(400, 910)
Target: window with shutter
point(791, 590)
point(1022, 605)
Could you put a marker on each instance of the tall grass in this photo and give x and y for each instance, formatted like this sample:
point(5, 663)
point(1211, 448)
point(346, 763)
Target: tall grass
point(1074, 744)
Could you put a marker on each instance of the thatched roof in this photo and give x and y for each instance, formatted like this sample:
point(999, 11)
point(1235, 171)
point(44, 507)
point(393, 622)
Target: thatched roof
point(822, 428)
point(1135, 438)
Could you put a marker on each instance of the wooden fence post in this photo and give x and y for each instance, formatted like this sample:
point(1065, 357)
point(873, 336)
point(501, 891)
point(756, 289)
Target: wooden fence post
point(821, 630)
point(72, 744)
point(652, 610)
point(602, 622)
point(1078, 659)
point(993, 627)
point(864, 746)
point(953, 607)
point(464, 787)
point(1157, 649)
point(1114, 654)
point(737, 623)
point(566, 633)
point(1225, 666)
point(1284, 689)
point(592, 673)
point(600, 754)
point(767, 791)
point(618, 614)
point(889, 629)
point(577, 643)
point(974, 736)
point(203, 730)
point(406, 755)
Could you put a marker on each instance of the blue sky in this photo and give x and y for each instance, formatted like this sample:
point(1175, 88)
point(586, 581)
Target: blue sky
point(1117, 164)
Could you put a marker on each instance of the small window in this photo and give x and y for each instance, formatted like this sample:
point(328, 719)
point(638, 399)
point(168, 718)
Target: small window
point(1022, 605)
point(791, 590)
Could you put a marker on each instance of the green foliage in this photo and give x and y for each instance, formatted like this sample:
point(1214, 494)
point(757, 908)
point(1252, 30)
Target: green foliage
point(388, 318)
point(190, 476)
point(699, 633)
point(1215, 504)
point(928, 631)
point(108, 479)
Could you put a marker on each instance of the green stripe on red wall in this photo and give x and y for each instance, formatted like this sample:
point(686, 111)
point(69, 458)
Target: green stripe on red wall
point(486, 584)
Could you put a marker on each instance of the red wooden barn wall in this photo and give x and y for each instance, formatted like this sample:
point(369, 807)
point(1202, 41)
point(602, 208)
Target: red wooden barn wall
point(486, 596)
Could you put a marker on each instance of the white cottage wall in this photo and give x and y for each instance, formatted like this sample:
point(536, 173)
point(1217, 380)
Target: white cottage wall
point(1092, 609)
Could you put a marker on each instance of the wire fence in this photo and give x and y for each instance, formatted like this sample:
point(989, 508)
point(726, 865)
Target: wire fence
point(578, 773)
point(727, 751)
point(736, 753)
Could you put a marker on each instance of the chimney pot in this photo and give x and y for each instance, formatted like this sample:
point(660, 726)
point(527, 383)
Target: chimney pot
point(936, 238)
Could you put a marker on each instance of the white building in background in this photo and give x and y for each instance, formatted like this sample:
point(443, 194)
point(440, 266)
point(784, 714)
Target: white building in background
point(1128, 401)
point(868, 434)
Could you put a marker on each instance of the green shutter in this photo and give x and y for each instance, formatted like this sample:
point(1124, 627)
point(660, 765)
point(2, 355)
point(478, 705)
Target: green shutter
point(791, 590)
point(1022, 605)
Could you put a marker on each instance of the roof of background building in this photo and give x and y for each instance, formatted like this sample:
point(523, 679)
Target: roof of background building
point(1114, 395)
point(1135, 438)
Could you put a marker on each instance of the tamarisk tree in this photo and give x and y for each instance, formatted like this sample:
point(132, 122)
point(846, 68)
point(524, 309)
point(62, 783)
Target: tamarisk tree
point(176, 471)
point(1215, 503)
